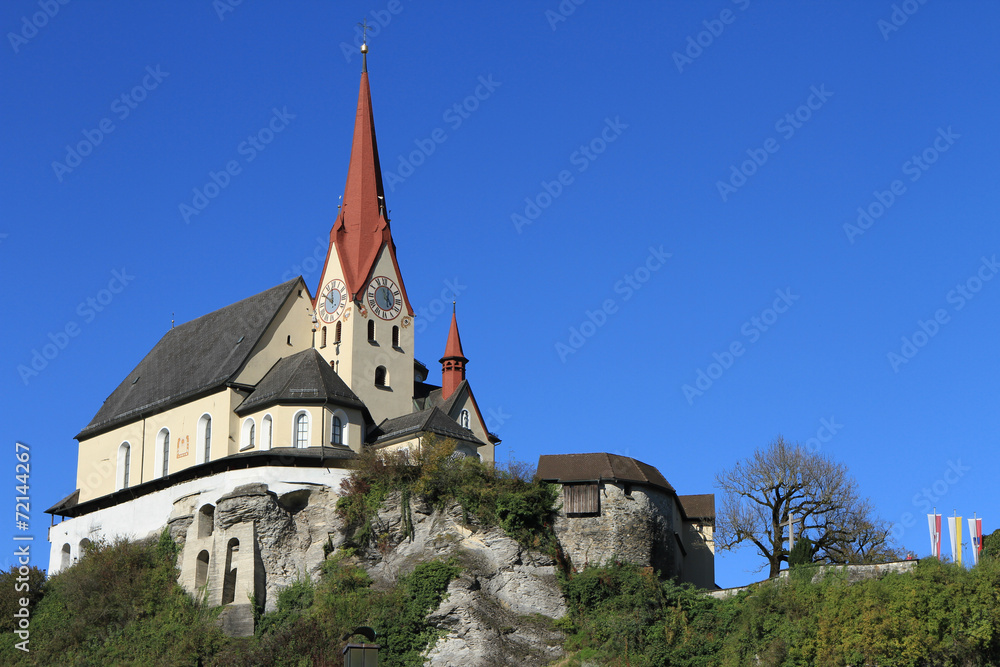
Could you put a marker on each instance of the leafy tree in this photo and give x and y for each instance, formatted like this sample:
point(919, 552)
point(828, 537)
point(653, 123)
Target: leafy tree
point(761, 492)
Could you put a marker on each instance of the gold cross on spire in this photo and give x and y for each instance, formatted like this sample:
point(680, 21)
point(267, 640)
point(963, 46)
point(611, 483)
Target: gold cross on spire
point(364, 30)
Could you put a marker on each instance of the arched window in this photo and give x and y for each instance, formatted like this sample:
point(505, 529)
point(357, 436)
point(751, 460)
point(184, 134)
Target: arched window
point(336, 333)
point(337, 431)
point(301, 439)
point(205, 438)
point(463, 419)
point(266, 432)
point(124, 464)
point(247, 434)
point(64, 557)
point(84, 547)
point(206, 521)
point(201, 570)
point(229, 582)
point(381, 377)
point(371, 331)
point(163, 442)
point(395, 336)
point(322, 342)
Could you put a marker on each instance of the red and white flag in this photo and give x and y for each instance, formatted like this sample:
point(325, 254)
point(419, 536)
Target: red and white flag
point(976, 537)
point(934, 522)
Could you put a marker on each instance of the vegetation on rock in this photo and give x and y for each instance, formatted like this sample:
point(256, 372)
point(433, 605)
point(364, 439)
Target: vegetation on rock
point(504, 496)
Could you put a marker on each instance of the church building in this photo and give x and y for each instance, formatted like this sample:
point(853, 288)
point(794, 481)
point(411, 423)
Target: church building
point(263, 404)
point(284, 385)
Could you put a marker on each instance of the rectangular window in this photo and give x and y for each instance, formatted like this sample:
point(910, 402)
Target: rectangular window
point(581, 499)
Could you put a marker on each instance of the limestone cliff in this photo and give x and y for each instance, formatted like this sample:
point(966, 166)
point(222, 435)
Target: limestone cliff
point(497, 612)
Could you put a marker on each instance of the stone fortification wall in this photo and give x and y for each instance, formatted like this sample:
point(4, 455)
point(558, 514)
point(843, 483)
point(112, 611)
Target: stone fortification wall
point(851, 573)
point(636, 527)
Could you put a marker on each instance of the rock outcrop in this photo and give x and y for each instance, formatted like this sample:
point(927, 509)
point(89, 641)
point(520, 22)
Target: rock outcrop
point(499, 610)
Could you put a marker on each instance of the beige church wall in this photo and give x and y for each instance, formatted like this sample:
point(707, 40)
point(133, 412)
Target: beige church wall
point(293, 323)
point(283, 420)
point(397, 398)
point(475, 424)
point(97, 468)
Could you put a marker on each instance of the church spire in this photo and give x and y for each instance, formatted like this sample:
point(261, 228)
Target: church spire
point(362, 226)
point(453, 362)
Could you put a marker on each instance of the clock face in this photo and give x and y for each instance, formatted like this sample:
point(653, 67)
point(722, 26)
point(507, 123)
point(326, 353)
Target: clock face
point(332, 300)
point(384, 298)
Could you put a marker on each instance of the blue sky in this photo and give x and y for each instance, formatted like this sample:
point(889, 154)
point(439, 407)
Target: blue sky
point(739, 138)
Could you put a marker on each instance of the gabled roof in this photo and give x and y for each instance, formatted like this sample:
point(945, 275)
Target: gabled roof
point(698, 506)
point(302, 378)
point(565, 468)
point(194, 358)
point(434, 400)
point(432, 420)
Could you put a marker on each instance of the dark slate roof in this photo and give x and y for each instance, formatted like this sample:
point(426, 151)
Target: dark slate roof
point(425, 421)
point(422, 391)
point(434, 399)
point(304, 377)
point(196, 357)
point(564, 468)
point(700, 506)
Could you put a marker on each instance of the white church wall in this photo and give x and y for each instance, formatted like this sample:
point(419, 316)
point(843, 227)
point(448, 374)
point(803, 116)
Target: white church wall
point(148, 514)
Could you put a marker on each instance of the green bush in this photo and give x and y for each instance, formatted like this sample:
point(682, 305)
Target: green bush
point(939, 614)
point(489, 495)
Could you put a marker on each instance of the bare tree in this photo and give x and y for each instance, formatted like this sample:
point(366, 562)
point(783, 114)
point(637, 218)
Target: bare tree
point(783, 479)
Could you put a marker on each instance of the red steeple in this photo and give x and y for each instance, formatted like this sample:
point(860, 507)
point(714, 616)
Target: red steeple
point(453, 362)
point(362, 226)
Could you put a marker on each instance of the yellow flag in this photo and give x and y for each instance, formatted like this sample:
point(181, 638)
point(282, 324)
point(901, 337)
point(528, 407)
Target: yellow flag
point(958, 533)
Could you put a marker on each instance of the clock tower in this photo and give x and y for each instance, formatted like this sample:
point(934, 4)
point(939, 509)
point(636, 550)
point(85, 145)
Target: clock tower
point(363, 317)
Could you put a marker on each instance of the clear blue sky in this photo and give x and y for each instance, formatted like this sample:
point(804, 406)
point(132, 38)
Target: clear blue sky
point(641, 124)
